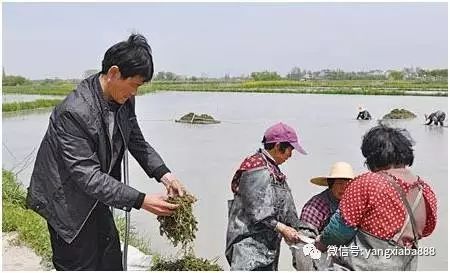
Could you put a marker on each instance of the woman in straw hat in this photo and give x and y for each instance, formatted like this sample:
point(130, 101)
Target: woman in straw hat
point(318, 210)
point(316, 214)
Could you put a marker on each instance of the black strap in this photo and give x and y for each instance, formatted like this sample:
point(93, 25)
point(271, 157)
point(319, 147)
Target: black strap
point(406, 203)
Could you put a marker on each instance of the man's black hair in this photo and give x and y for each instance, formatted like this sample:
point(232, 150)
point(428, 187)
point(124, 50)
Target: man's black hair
point(385, 147)
point(283, 145)
point(133, 57)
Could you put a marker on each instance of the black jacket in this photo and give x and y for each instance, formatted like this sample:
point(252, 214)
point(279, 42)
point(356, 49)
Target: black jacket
point(71, 171)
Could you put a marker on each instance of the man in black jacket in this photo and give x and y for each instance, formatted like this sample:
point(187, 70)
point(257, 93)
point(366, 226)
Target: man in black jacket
point(77, 174)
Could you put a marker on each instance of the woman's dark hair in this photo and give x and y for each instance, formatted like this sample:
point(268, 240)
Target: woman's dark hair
point(133, 57)
point(384, 147)
point(283, 145)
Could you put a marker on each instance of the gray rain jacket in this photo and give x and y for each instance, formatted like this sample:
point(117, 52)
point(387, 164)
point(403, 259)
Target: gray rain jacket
point(70, 174)
point(263, 198)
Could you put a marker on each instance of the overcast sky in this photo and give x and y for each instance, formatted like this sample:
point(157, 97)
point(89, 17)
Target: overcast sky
point(42, 40)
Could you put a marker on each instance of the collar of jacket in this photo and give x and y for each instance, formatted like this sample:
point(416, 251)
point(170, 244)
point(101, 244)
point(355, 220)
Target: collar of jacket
point(103, 105)
point(267, 156)
point(272, 165)
point(98, 91)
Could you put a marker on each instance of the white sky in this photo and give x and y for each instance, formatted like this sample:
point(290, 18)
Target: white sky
point(42, 40)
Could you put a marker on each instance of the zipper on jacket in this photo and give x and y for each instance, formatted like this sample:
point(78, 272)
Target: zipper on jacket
point(111, 137)
point(120, 130)
point(110, 146)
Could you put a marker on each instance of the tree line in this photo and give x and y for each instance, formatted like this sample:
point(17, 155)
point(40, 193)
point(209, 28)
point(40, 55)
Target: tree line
point(295, 74)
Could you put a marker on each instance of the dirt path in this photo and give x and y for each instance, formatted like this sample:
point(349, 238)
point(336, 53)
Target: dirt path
point(17, 257)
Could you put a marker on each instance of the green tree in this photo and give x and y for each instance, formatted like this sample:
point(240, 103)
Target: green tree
point(439, 73)
point(170, 76)
point(89, 72)
point(396, 75)
point(159, 76)
point(296, 74)
point(422, 73)
point(166, 76)
point(11, 80)
point(265, 76)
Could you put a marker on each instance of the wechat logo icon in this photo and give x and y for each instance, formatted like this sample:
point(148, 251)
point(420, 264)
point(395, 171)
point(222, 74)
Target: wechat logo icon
point(311, 250)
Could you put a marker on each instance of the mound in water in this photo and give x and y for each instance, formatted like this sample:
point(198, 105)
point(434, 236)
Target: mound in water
point(197, 119)
point(399, 114)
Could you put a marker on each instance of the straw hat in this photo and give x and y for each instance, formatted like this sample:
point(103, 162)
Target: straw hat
point(338, 170)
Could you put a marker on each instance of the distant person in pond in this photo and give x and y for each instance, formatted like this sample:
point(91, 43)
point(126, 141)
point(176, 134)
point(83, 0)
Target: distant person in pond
point(387, 209)
point(263, 209)
point(437, 118)
point(363, 114)
point(77, 172)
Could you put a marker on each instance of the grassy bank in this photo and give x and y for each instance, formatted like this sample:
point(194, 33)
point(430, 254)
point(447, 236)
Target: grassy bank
point(40, 89)
point(349, 87)
point(32, 228)
point(28, 105)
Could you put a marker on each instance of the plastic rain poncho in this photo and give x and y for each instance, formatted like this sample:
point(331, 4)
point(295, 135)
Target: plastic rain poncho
point(263, 199)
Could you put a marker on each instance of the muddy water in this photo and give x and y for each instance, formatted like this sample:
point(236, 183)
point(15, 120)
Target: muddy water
point(205, 157)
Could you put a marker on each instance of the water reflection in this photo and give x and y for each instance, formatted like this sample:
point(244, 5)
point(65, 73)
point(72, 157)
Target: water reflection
point(435, 130)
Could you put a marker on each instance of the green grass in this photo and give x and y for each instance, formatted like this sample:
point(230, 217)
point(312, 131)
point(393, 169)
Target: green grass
point(363, 87)
point(40, 89)
point(32, 228)
point(32, 231)
point(357, 87)
point(28, 105)
point(134, 238)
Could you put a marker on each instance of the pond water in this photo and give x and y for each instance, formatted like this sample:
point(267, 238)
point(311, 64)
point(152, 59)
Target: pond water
point(205, 157)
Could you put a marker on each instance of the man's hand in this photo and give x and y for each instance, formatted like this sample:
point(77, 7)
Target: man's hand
point(157, 204)
point(289, 234)
point(173, 185)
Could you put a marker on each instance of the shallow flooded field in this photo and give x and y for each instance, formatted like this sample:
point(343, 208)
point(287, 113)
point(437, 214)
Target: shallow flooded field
point(205, 157)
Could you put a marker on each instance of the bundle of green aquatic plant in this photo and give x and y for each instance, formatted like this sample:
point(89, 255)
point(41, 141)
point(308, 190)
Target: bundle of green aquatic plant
point(399, 114)
point(180, 227)
point(187, 263)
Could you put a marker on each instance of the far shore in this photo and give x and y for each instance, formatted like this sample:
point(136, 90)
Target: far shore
point(323, 87)
point(347, 87)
